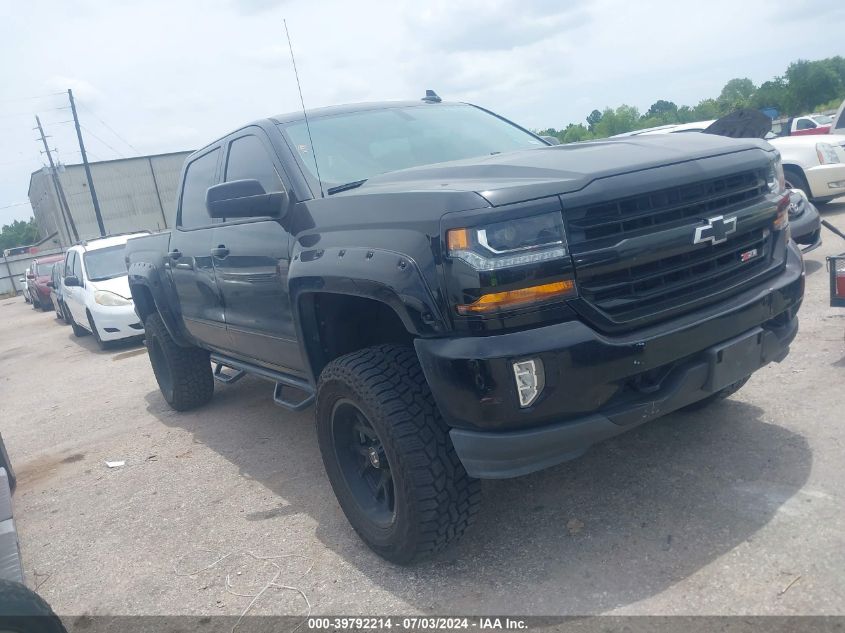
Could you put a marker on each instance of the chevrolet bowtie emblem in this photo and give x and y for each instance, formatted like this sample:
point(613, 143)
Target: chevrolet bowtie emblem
point(715, 231)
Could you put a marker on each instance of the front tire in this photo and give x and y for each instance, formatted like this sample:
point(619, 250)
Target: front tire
point(24, 611)
point(795, 180)
point(183, 373)
point(100, 342)
point(78, 330)
point(388, 455)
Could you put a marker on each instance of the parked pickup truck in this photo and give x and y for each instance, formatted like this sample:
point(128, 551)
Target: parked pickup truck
point(460, 299)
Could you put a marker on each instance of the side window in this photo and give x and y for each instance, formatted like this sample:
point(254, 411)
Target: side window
point(77, 266)
point(805, 124)
point(248, 158)
point(69, 263)
point(198, 178)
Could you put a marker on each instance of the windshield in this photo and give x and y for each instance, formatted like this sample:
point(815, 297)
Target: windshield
point(359, 145)
point(105, 263)
point(822, 119)
point(45, 270)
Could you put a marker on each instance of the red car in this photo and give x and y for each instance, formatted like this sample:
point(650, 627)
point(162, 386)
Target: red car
point(40, 273)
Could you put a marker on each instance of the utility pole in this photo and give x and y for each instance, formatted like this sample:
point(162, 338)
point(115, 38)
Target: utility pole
point(87, 167)
point(60, 192)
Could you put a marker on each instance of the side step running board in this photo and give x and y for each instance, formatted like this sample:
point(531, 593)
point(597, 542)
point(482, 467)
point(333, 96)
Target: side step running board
point(227, 379)
point(282, 380)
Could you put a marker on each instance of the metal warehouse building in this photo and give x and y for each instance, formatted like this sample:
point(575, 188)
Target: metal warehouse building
point(134, 194)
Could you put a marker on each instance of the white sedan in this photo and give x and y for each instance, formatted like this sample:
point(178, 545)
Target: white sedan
point(96, 293)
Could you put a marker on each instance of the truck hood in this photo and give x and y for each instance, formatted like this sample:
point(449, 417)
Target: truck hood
point(535, 173)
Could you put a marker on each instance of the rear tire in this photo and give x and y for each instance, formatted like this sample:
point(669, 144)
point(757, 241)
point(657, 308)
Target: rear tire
point(183, 373)
point(24, 611)
point(725, 393)
point(375, 412)
point(65, 314)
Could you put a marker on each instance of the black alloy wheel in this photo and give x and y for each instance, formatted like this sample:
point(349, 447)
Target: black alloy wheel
point(362, 459)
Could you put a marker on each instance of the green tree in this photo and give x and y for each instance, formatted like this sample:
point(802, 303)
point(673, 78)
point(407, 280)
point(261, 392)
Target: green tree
point(593, 118)
point(576, 132)
point(706, 109)
point(662, 110)
point(625, 118)
point(812, 83)
point(736, 94)
point(18, 233)
point(771, 94)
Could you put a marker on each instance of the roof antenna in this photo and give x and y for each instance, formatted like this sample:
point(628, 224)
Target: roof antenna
point(304, 114)
point(431, 97)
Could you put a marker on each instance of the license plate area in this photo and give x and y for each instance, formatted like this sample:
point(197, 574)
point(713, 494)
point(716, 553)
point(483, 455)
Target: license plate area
point(735, 359)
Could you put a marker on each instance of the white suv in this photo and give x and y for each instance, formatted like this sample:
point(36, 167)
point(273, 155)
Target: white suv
point(95, 290)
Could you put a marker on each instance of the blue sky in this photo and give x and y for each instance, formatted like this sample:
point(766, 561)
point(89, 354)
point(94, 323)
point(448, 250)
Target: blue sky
point(164, 76)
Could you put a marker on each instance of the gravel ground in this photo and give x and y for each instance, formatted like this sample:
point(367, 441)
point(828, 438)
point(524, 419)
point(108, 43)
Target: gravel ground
point(737, 509)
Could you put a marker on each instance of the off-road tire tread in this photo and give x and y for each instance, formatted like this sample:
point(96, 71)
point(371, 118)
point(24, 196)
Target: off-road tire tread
point(391, 382)
point(25, 611)
point(193, 383)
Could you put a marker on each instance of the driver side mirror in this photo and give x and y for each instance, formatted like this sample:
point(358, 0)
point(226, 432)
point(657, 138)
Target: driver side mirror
point(244, 199)
point(30, 276)
point(72, 281)
point(50, 284)
point(551, 140)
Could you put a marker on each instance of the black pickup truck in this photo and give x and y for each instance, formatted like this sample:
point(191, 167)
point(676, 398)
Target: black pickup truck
point(461, 300)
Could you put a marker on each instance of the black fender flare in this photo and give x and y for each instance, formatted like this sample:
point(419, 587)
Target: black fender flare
point(386, 276)
point(146, 281)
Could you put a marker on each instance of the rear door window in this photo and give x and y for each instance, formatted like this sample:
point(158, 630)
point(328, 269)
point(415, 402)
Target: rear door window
point(199, 176)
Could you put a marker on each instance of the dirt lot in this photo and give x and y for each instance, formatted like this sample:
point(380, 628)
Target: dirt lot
point(738, 509)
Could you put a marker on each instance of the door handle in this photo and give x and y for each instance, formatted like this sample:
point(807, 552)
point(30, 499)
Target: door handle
point(220, 252)
point(174, 254)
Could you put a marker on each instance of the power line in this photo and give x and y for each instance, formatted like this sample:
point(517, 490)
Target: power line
point(16, 100)
point(110, 128)
point(17, 204)
point(116, 151)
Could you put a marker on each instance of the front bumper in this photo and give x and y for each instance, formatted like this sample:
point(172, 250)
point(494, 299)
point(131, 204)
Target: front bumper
point(806, 229)
point(596, 386)
point(820, 179)
point(116, 322)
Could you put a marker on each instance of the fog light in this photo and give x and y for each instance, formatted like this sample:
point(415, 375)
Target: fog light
point(530, 380)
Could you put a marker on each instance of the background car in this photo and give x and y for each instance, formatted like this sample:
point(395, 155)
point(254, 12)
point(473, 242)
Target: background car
point(95, 290)
point(56, 291)
point(40, 274)
point(806, 125)
point(25, 286)
point(814, 164)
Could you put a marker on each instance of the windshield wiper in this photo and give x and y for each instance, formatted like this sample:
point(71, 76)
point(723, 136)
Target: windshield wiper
point(346, 186)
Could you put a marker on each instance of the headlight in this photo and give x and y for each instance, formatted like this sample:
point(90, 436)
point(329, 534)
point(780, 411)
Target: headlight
point(106, 298)
point(775, 178)
point(508, 244)
point(827, 153)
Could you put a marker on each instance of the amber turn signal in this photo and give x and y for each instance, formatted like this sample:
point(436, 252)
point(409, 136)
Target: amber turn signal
point(497, 301)
point(457, 240)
